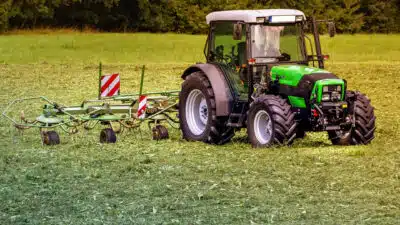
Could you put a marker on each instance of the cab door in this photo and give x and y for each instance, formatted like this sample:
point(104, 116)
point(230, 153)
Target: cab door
point(227, 50)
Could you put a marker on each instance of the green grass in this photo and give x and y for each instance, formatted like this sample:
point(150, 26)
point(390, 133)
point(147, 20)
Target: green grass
point(139, 181)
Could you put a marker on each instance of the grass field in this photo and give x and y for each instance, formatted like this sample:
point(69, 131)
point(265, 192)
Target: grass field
point(139, 181)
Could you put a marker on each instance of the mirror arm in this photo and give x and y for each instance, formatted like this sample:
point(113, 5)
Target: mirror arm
point(317, 43)
point(312, 49)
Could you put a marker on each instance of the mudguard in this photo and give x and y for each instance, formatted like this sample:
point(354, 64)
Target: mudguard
point(222, 92)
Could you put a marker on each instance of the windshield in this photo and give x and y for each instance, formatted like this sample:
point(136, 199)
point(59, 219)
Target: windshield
point(276, 43)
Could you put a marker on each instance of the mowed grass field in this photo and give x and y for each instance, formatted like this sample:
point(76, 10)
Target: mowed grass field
point(140, 181)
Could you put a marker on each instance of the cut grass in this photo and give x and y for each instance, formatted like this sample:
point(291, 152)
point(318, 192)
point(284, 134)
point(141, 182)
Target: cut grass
point(139, 181)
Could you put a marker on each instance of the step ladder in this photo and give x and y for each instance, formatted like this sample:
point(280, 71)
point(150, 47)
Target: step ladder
point(238, 115)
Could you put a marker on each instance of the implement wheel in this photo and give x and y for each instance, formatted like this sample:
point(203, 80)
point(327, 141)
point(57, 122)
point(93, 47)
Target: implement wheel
point(364, 118)
point(197, 111)
point(50, 138)
point(270, 121)
point(160, 132)
point(107, 135)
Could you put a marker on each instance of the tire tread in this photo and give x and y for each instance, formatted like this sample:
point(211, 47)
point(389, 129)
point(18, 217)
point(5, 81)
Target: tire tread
point(219, 133)
point(284, 119)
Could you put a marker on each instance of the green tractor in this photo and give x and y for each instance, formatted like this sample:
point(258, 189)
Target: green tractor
point(261, 74)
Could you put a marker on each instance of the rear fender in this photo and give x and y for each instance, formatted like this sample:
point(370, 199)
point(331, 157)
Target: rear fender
point(222, 92)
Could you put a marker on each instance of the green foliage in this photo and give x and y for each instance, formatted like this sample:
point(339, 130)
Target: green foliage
point(5, 7)
point(346, 15)
point(187, 16)
point(381, 16)
point(140, 181)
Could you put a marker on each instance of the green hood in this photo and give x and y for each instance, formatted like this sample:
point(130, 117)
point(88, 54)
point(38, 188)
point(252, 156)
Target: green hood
point(292, 74)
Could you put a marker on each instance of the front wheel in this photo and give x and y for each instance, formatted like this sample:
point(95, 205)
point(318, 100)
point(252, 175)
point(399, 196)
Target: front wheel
point(270, 121)
point(362, 114)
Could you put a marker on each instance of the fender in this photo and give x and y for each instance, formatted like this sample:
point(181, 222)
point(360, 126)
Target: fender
point(222, 92)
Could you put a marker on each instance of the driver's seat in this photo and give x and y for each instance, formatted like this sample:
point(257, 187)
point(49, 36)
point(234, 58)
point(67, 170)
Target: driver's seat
point(241, 57)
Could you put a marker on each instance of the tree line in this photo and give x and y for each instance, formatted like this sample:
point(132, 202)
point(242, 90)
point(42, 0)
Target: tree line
point(187, 16)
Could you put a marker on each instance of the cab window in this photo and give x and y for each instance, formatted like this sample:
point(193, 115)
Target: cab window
point(225, 48)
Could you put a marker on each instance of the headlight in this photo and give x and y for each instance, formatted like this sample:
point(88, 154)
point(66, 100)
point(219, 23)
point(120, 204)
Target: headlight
point(335, 96)
point(325, 97)
point(331, 93)
point(330, 88)
point(299, 18)
point(260, 19)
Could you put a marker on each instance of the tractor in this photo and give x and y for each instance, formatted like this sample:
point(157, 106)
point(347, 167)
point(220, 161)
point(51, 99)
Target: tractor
point(264, 73)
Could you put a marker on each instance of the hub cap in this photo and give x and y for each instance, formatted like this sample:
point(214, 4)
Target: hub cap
point(196, 112)
point(263, 127)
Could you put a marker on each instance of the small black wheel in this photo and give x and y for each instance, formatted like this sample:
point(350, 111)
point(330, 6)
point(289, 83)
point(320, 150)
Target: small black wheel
point(270, 121)
point(160, 132)
point(107, 135)
point(50, 137)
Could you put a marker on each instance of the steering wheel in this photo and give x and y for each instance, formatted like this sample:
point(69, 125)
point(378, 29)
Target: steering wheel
point(231, 58)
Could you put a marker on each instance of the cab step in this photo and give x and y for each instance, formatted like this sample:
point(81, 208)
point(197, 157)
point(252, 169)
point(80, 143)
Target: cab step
point(238, 115)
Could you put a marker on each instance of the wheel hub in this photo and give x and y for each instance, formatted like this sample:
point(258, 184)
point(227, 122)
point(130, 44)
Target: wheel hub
point(203, 111)
point(196, 112)
point(263, 127)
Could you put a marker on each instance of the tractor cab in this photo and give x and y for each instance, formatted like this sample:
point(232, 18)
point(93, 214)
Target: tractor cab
point(263, 39)
point(266, 36)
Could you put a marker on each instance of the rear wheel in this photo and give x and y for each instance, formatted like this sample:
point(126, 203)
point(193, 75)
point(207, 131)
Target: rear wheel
point(198, 119)
point(270, 121)
point(364, 119)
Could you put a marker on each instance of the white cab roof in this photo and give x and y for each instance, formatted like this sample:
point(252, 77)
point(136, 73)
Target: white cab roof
point(250, 16)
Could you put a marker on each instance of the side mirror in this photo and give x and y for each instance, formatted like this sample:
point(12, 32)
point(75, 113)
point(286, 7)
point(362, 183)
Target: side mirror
point(331, 29)
point(237, 31)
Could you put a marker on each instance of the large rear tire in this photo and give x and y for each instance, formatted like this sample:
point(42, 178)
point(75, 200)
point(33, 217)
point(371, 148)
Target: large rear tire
point(270, 121)
point(198, 120)
point(364, 120)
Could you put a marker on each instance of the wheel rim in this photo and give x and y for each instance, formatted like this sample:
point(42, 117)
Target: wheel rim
point(263, 127)
point(196, 112)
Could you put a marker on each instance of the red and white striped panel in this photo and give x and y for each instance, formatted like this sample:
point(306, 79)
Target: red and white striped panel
point(141, 113)
point(110, 85)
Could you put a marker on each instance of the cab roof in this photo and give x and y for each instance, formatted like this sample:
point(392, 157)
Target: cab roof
point(250, 16)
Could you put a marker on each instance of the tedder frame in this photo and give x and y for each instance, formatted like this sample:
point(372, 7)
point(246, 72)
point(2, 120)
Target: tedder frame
point(116, 113)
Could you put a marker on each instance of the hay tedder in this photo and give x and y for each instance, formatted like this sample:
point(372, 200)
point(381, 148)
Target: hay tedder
point(113, 111)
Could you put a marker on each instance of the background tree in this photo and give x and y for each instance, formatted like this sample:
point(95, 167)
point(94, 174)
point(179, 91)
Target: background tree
point(5, 7)
point(187, 16)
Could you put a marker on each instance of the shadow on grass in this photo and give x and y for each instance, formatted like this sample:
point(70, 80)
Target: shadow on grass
point(298, 143)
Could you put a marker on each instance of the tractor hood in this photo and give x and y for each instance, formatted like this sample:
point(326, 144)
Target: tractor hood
point(300, 82)
point(291, 75)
